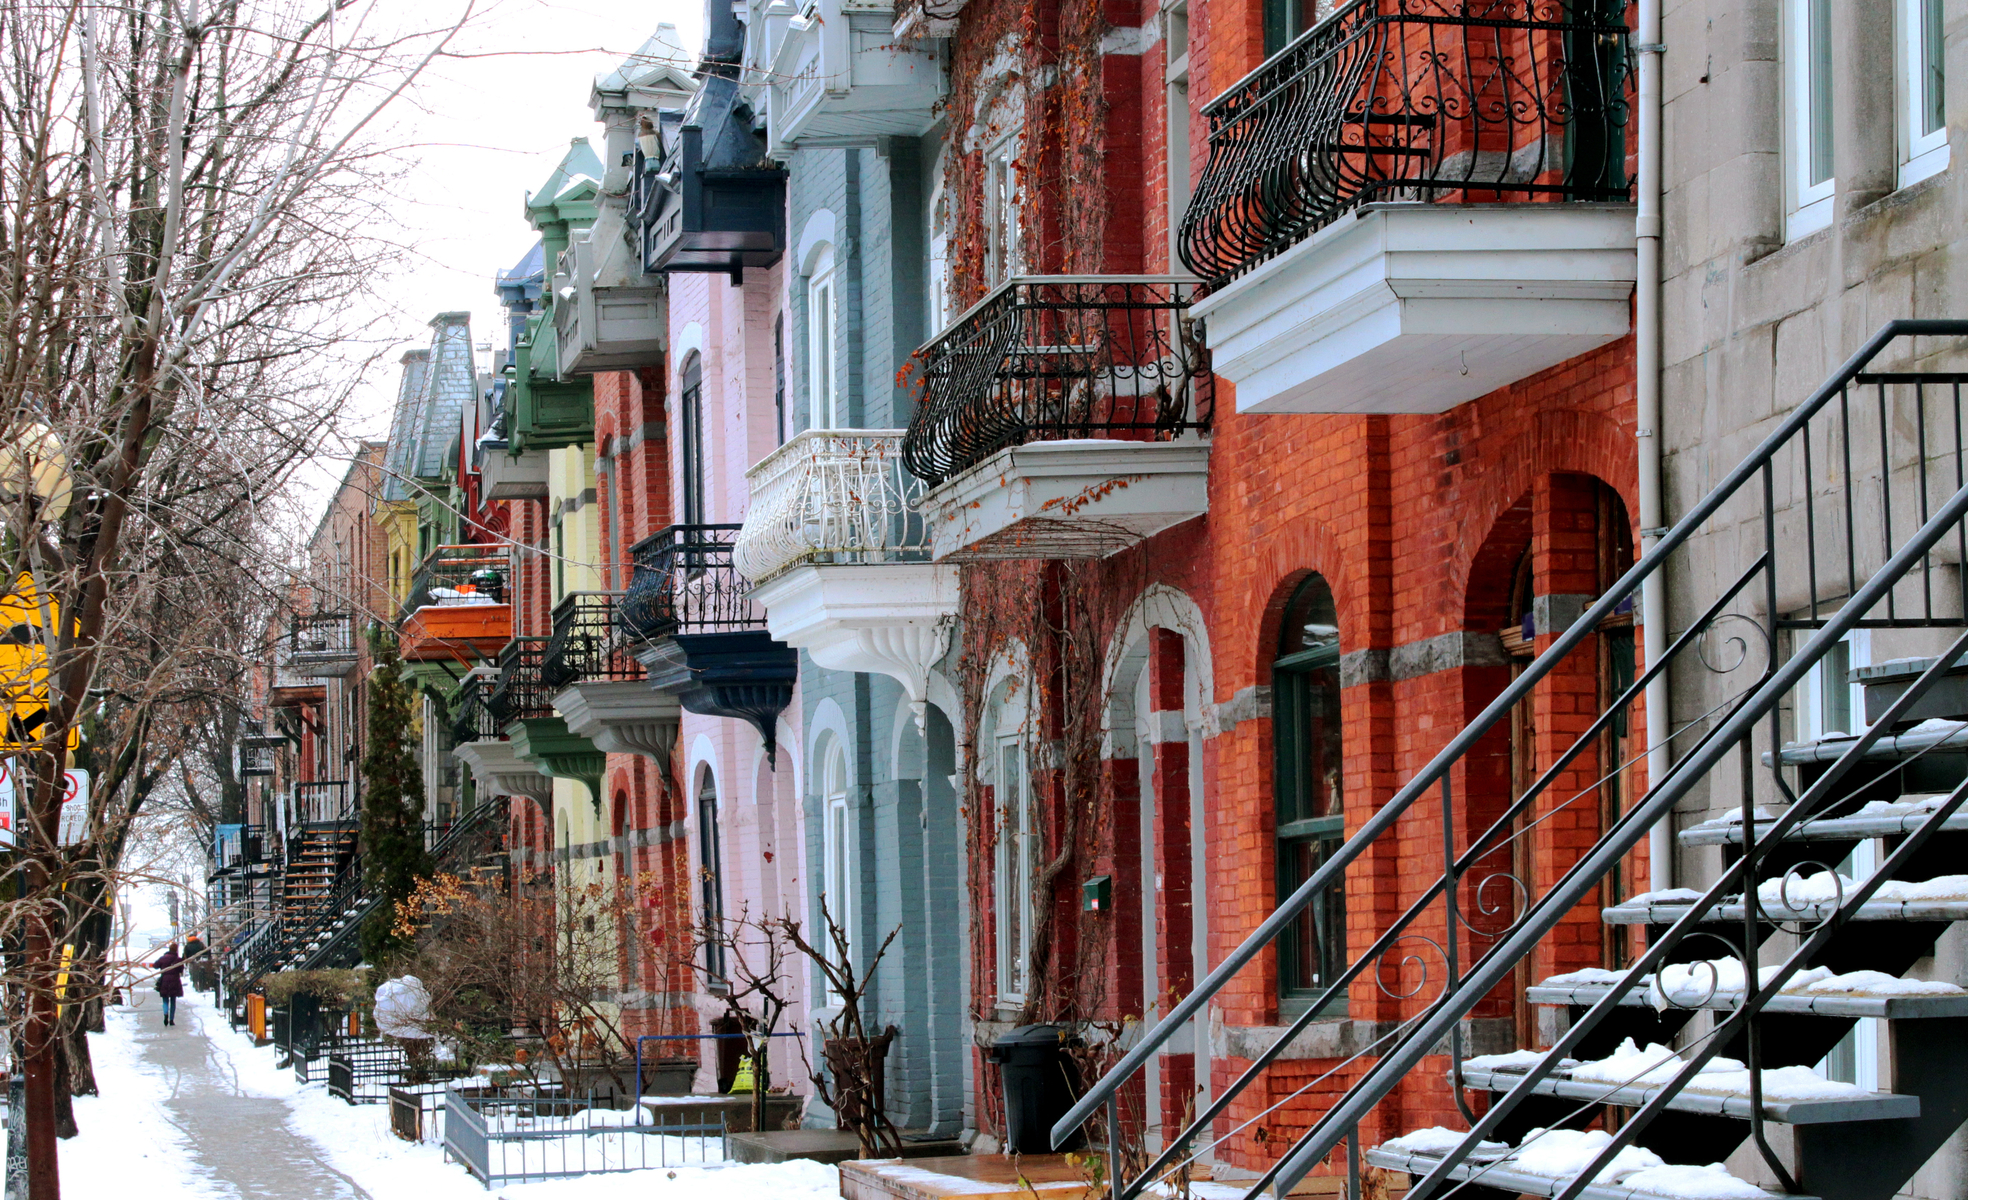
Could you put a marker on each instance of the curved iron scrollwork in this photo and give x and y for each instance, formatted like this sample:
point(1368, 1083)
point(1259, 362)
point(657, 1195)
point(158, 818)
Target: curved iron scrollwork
point(684, 580)
point(1412, 100)
point(1049, 357)
point(518, 691)
point(587, 641)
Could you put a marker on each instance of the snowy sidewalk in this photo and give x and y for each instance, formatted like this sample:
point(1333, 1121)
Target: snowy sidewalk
point(195, 1112)
point(228, 1142)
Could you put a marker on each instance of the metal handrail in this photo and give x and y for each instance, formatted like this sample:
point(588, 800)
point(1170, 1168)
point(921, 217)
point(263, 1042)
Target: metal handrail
point(1052, 357)
point(518, 692)
point(590, 640)
point(832, 496)
point(1460, 997)
point(480, 569)
point(684, 581)
point(1411, 100)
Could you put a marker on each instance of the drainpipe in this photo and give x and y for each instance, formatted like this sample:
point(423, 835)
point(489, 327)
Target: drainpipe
point(1652, 522)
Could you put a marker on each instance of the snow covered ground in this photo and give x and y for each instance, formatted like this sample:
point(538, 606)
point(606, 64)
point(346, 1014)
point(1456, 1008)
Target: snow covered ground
point(141, 1135)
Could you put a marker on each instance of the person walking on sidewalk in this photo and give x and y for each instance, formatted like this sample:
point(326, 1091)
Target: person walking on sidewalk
point(168, 985)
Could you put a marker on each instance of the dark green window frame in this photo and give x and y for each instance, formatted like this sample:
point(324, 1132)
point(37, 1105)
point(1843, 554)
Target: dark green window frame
point(1299, 828)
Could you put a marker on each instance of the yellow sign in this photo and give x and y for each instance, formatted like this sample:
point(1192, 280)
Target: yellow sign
point(25, 621)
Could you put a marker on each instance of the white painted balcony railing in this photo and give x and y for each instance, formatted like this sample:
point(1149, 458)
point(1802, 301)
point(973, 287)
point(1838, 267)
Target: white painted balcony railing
point(832, 496)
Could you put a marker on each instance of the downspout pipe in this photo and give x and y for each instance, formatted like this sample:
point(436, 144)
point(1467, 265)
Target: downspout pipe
point(1652, 518)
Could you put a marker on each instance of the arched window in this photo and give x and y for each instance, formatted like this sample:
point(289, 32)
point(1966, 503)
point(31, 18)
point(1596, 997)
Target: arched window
point(838, 834)
point(694, 505)
point(711, 878)
point(1305, 712)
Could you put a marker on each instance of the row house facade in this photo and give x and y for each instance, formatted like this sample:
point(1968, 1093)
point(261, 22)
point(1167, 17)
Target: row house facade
point(1049, 486)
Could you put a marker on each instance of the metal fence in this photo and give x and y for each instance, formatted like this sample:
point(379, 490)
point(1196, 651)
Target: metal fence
point(504, 1139)
point(364, 1071)
point(321, 801)
point(590, 641)
point(1412, 100)
point(832, 496)
point(684, 580)
point(458, 574)
point(518, 691)
point(1059, 357)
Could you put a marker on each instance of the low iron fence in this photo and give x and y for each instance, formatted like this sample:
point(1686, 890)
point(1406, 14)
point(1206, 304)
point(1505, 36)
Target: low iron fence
point(365, 1071)
point(502, 1139)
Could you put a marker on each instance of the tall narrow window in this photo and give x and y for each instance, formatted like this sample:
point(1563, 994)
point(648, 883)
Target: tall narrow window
point(1305, 722)
point(610, 510)
point(1810, 97)
point(778, 377)
point(693, 450)
point(1003, 210)
point(1013, 867)
point(711, 879)
point(819, 345)
point(839, 892)
point(1920, 90)
point(940, 259)
point(1285, 20)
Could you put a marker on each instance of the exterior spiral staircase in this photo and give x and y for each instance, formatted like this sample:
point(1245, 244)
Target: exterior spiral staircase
point(1843, 864)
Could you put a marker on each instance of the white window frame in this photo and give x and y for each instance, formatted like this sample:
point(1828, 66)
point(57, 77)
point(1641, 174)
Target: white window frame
point(1809, 203)
point(839, 851)
point(939, 307)
point(1811, 714)
point(1812, 719)
point(1003, 208)
point(1922, 153)
point(1013, 868)
point(822, 326)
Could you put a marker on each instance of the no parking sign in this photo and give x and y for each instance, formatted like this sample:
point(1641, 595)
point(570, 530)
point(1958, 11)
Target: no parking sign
point(73, 823)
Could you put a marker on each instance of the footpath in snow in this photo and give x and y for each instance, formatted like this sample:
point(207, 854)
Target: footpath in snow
point(195, 1112)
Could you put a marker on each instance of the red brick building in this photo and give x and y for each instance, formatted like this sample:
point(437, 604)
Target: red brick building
point(1306, 520)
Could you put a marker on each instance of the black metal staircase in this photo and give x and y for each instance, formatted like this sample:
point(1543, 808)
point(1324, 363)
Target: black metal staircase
point(1850, 515)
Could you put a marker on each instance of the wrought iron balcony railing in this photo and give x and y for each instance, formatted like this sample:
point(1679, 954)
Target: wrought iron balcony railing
point(1050, 357)
point(472, 715)
point(1412, 100)
point(322, 800)
point(832, 496)
point(460, 575)
point(683, 581)
point(518, 691)
point(590, 641)
point(322, 637)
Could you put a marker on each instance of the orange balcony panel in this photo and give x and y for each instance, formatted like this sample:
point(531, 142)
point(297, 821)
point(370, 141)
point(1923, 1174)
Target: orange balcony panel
point(298, 695)
point(456, 632)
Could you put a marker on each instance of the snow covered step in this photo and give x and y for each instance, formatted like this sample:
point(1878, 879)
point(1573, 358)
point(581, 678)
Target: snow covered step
point(1933, 735)
point(1807, 898)
point(1503, 1177)
point(1631, 913)
point(1822, 1110)
point(1893, 1008)
point(1877, 818)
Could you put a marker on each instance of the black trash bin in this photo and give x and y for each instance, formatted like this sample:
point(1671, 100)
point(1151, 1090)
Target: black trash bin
point(1040, 1084)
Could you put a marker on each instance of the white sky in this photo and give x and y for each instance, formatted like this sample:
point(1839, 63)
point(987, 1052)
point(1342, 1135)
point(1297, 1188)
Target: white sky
point(483, 131)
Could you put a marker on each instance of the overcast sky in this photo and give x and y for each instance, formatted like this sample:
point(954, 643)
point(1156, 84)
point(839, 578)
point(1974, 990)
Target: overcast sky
point(483, 130)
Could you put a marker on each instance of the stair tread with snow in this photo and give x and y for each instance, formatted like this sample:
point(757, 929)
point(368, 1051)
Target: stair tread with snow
point(1930, 736)
point(1504, 1177)
point(1892, 1008)
point(1821, 1110)
point(1651, 910)
point(1875, 819)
